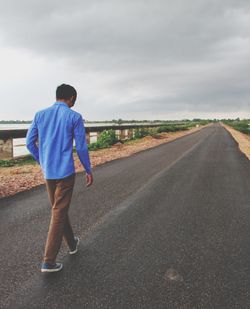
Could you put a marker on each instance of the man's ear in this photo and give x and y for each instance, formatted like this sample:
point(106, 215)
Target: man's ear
point(73, 99)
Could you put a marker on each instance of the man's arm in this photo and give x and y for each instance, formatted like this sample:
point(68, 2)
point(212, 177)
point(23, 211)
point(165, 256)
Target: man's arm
point(81, 144)
point(31, 138)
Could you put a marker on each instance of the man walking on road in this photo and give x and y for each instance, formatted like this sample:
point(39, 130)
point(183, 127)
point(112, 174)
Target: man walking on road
point(54, 128)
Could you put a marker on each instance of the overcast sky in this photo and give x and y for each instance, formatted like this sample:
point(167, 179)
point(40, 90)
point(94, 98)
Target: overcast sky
point(169, 59)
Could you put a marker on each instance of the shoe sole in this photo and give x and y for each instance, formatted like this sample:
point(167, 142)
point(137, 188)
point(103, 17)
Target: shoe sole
point(73, 252)
point(53, 270)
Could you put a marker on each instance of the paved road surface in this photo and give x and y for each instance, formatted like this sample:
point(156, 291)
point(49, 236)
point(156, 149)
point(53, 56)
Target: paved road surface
point(166, 228)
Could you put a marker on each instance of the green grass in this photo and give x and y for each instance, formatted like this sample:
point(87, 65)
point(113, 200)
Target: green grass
point(18, 162)
point(240, 125)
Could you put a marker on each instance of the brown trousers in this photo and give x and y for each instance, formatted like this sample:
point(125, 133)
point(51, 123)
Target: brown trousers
point(60, 193)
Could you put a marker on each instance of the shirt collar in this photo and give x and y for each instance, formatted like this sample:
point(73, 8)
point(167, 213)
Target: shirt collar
point(61, 103)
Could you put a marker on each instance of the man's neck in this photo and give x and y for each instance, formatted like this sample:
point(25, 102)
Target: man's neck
point(64, 101)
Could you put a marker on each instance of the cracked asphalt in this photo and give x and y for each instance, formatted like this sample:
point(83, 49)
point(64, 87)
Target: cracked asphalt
point(168, 227)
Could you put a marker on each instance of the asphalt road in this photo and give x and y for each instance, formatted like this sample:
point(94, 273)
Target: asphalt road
point(168, 227)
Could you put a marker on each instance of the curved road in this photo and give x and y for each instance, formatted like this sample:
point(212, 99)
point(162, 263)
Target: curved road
point(168, 227)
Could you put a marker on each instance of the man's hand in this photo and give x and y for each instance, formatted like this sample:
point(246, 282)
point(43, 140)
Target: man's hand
point(89, 179)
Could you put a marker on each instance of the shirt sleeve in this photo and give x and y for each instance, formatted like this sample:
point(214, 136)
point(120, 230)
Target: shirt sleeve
point(31, 138)
point(81, 144)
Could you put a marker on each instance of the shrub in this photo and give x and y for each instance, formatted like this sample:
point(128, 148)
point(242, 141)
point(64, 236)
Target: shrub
point(141, 132)
point(152, 131)
point(106, 139)
point(172, 128)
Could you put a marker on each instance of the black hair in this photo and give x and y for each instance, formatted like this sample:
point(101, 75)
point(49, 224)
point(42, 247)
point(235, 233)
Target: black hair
point(65, 92)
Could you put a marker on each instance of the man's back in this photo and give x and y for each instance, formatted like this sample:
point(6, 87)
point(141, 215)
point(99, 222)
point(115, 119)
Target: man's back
point(55, 127)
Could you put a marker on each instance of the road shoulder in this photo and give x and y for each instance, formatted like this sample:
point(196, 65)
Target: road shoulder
point(242, 139)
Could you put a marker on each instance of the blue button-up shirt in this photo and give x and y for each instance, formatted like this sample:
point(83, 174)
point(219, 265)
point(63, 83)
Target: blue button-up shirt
point(54, 128)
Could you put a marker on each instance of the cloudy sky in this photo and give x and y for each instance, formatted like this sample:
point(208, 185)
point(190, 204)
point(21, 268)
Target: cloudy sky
point(133, 59)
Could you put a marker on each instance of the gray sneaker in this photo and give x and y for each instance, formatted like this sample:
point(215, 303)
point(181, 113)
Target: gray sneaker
point(51, 268)
point(77, 239)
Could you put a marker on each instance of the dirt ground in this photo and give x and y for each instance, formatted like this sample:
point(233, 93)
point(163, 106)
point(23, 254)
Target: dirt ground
point(242, 139)
point(17, 179)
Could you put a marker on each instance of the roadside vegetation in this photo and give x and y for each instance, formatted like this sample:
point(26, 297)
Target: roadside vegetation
point(240, 125)
point(107, 138)
point(18, 162)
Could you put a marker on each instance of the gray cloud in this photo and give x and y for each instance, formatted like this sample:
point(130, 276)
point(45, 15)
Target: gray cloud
point(141, 56)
